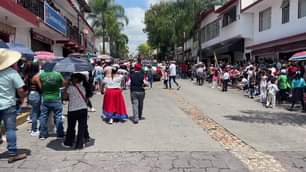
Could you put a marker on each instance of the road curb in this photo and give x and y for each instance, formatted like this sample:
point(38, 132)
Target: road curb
point(22, 118)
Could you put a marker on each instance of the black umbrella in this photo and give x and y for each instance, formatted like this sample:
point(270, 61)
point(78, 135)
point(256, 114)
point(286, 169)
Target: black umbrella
point(72, 64)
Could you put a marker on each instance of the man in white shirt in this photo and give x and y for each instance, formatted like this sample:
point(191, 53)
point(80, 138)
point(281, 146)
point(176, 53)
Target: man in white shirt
point(172, 75)
point(226, 79)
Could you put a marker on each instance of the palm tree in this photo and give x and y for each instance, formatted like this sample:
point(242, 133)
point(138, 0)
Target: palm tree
point(108, 19)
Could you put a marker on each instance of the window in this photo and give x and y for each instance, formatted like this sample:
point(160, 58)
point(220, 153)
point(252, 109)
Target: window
point(302, 8)
point(285, 11)
point(229, 17)
point(210, 31)
point(265, 20)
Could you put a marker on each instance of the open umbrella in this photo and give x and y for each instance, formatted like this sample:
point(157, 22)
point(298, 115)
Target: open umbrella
point(72, 64)
point(104, 57)
point(25, 51)
point(298, 56)
point(44, 55)
point(3, 44)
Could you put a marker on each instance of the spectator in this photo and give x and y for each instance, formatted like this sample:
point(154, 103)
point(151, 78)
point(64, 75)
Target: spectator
point(10, 81)
point(51, 82)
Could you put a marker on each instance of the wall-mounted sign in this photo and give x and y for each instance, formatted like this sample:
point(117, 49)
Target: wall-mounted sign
point(55, 20)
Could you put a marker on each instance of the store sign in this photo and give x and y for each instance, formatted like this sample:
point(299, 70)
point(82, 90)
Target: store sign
point(55, 20)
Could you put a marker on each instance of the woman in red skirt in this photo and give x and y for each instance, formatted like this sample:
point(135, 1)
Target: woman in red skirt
point(114, 106)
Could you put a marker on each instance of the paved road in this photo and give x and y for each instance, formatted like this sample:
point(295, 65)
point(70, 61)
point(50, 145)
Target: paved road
point(277, 132)
point(168, 140)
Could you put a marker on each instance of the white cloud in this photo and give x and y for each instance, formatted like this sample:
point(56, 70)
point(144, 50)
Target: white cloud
point(135, 28)
point(152, 2)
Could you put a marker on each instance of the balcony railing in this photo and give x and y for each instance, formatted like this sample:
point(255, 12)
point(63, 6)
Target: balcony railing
point(35, 6)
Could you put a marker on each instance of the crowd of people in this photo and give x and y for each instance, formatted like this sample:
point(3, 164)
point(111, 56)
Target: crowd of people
point(274, 84)
point(46, 92)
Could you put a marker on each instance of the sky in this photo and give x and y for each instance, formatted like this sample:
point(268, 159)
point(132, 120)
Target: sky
point(135, 11)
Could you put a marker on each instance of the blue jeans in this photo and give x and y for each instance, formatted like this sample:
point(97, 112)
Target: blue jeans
point(151, 80)
point(174, 80)
point(46, 108)
point(35, 102)
point(9, 117)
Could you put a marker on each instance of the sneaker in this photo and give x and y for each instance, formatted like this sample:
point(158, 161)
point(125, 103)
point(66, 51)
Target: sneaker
point(42, 138)
point(179, 87)
point(34, 133)
point(91, 110)
point(110, 121)
point(17, 157)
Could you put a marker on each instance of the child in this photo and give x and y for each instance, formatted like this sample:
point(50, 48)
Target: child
point(263, 87)
point(272, 90)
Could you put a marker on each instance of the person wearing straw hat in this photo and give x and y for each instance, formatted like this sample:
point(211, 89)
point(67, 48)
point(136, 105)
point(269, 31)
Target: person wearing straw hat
point(10, 81)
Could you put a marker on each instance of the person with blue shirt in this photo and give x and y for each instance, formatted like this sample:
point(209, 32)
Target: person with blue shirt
point(10, 81)
point(298, 84)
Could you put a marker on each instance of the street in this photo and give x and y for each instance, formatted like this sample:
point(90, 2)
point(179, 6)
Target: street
point(194, 129)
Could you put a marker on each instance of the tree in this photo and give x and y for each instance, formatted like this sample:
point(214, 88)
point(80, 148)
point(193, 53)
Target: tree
point(169, 24)
point(145, 49)
point(108, 21)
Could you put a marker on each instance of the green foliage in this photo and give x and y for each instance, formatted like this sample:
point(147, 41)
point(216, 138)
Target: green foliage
point(170, 24)
point(108, 21)
point(145, 49)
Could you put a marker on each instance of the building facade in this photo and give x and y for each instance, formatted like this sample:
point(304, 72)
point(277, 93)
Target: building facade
point(279, 29)
point(253, 30)
point(53, 25)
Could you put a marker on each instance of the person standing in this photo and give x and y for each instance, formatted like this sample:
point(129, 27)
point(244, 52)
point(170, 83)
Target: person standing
point(263, 87)
point(77, 112)
point(150, 76)
point(298, 85)
point(272, 90)
point(51, 83)
point(172, 75)
point(226, 79)
point(114, 106)
point(284, 86)
point(137, 93)
point(35, 98)
point(10, 81)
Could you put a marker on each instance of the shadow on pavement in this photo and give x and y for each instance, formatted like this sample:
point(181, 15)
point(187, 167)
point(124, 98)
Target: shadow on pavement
point(5, 155)
point(57, 145)
point(277, 118)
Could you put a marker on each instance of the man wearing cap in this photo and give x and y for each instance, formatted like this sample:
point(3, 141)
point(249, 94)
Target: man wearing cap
point(10, 81)
point(137, 92)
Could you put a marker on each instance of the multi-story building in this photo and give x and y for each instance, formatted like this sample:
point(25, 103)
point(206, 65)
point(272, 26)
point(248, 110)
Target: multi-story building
point(52, 25)
point(224, 31)
point(279, 28)
point(258, 30)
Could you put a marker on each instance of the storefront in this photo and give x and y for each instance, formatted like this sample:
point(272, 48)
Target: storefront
point(278, 50)
point(6, 31)
point(40, 42)
point(230, 51)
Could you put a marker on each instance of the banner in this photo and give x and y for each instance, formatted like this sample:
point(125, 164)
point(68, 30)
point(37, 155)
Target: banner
point(54, 19)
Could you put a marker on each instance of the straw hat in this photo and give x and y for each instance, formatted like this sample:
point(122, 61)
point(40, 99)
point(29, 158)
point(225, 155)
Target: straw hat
point(8, 58)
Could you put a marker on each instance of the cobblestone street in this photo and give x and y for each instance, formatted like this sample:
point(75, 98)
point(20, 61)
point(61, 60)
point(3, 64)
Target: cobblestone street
point(186, 130)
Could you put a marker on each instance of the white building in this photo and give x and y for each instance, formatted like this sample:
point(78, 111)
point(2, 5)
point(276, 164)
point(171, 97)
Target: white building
point(253, 30)
point(279, 28)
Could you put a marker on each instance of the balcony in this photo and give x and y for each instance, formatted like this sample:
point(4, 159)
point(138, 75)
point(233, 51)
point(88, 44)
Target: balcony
point(35, 6)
